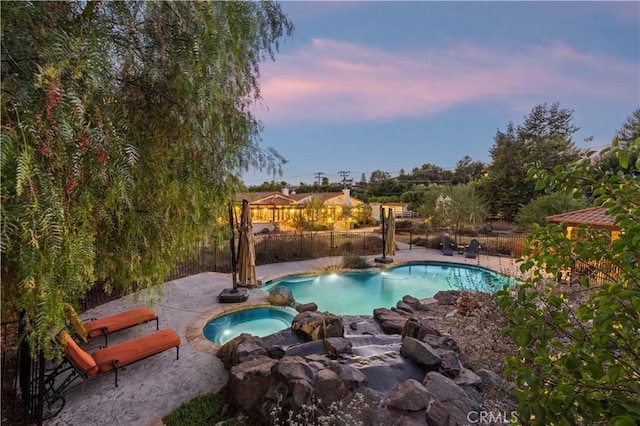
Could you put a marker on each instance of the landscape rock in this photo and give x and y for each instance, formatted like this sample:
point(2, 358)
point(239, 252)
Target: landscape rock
point(490, 378)
point(468, 378)
point(442, 342)
point(249, 383)
point(409, 395)
point(418, 329)
point(405, 307)
point(240, 349)
point(452, 396)
point(420, 353)
point(315, 325)
point(413, 302)
point(293, 368)
point(391, 322)
point(338, 345)
point(414, 375)
point(412, 404)
point(329, 387)
point(350, 376)
point(305, 307)
point(451, 365)
point(447, 297)
point(281, 296)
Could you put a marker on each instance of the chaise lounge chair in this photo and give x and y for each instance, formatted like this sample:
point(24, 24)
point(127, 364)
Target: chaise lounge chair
point(473, 249)
point(114, 357)
point(446, 247)
point(79, 364)
point(103, 326)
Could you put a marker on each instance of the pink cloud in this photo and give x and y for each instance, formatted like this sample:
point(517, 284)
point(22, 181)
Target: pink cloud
point(332, 81)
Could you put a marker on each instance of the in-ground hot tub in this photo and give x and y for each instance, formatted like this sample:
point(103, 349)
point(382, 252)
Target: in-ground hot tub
point(258, 321)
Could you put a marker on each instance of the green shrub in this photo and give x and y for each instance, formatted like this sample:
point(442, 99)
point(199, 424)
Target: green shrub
point(205, 409)
point(352, 261)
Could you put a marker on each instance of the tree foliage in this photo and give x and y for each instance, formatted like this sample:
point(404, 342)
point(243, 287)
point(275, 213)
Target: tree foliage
point(468, 170)
point(579, 357)
point(626, 135)
point(456, 206)
point(537, 211)
point(125, 128)
point(544, 137)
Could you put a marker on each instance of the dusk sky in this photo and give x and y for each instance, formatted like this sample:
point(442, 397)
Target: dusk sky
point(365, 86)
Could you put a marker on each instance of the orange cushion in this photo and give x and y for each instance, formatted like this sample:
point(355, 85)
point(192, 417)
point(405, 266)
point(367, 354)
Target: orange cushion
point(135, 350)
point(120, 321)
point(78, 357)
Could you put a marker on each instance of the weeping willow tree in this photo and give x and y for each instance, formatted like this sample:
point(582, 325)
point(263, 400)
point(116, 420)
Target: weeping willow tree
point(125, 128)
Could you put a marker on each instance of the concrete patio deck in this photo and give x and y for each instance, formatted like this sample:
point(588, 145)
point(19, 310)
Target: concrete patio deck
point(152, 388)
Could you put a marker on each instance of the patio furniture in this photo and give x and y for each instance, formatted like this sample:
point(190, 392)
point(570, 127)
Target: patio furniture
point(446, 246)
point(78, 364)
point(95, 327)
point(112, 358)
point(473, 249)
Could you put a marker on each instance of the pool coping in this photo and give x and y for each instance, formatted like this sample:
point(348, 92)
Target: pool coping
point(195, 329)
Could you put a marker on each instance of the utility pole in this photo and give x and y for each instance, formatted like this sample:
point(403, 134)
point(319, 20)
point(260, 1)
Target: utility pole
point(319, 176)
point(344, 174)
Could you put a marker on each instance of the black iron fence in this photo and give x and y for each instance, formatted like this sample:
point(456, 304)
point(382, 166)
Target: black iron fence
point(492, 244)
point(279, 247)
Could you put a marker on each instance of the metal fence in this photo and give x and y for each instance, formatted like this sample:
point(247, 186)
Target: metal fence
point(279, 247)
point(494, 244)
point(597, 273)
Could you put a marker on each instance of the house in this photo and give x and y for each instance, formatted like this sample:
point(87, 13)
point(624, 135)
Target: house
point(595, 217)
point(280, 209)
point(400, 210)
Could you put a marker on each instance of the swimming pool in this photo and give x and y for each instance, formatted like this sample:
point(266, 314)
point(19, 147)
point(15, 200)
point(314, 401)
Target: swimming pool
point(359, 293)
point(258, 321)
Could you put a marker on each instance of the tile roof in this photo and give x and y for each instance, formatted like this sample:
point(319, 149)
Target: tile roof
point(595, 216)
point(268, 197)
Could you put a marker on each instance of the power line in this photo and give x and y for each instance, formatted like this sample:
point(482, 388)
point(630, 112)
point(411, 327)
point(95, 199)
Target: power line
point(345, 174)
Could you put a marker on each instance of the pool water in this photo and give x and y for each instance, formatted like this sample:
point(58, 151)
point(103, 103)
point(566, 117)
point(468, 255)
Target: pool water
point(359, 293)
point(260, 321)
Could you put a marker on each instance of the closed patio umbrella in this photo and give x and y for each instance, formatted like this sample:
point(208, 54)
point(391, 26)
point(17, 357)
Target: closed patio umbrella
point(246, 249)
point(391, 234)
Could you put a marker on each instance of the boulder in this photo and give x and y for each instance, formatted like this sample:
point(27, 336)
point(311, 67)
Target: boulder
point(391, 322)
point(447, 297)
point(441, 342)
point(240, 349)
point(421, 353)
point(456, 401)
point(305, 307)
point(351, 376)
point(338, 345)
point(281, 296)
point(249, 383)
point(315, 325)
point(409, 395)
point(489, 378)
point(329, 387)
point(418, 329)
point(451, 365)
point(293, 368)
point(405, 307)
point(413, 302)
point(468, 378)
